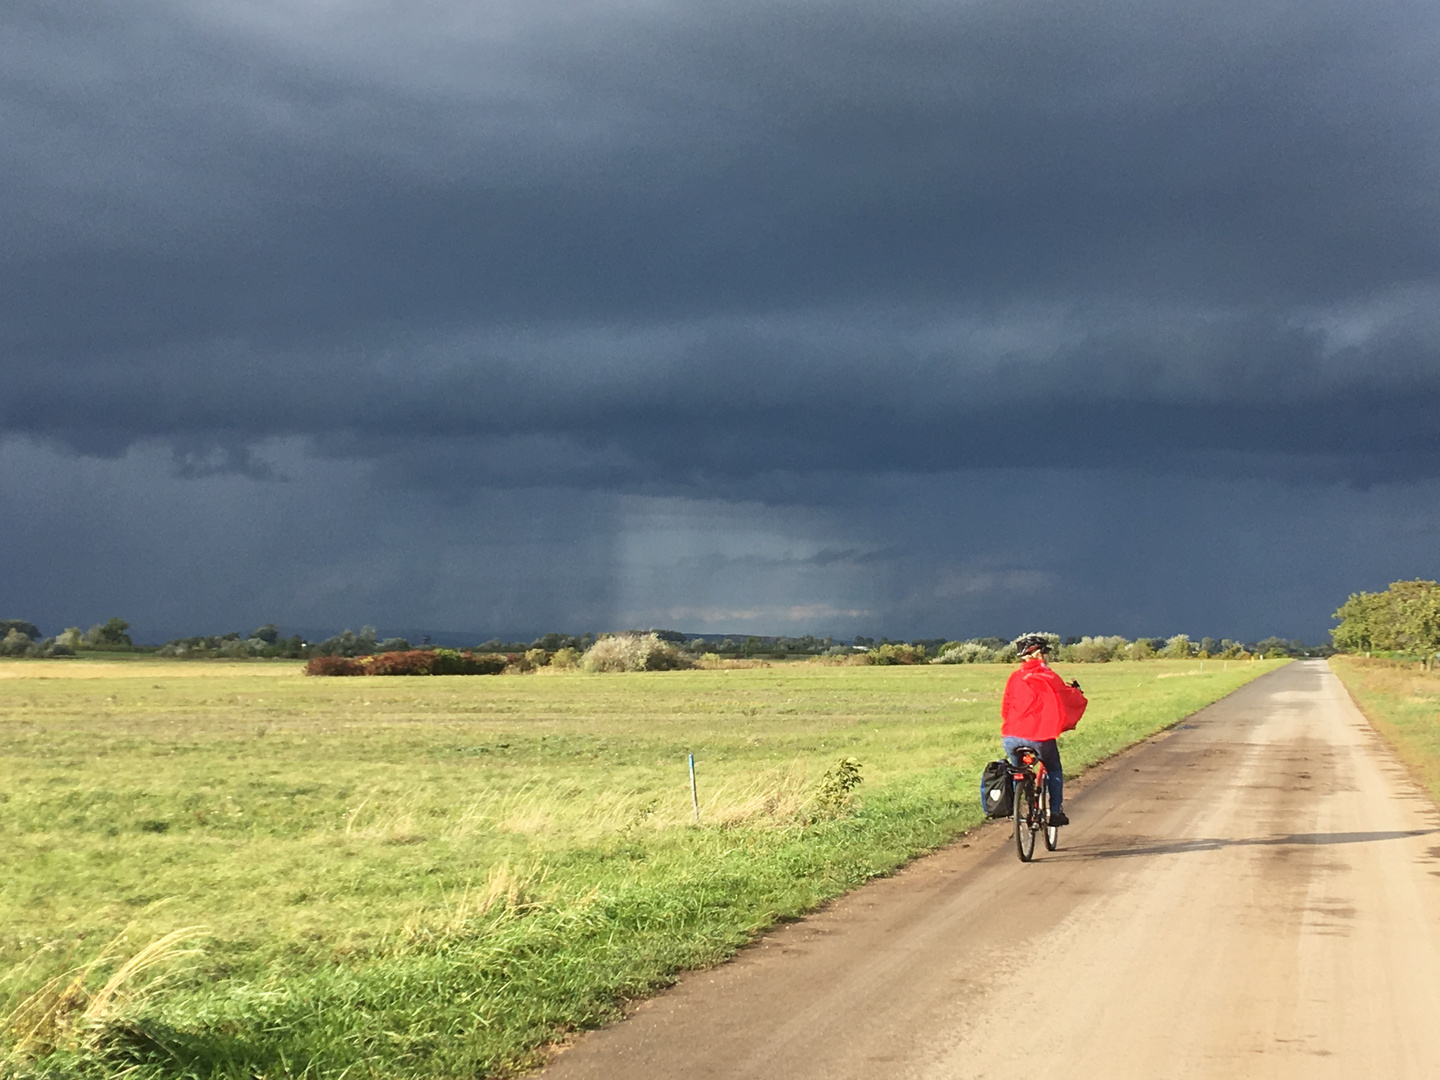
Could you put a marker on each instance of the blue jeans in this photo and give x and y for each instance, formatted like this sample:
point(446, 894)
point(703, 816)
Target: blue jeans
point(1050, 754)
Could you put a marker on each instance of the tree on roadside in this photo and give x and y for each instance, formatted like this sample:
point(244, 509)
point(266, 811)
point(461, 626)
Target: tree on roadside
point(1405, 618)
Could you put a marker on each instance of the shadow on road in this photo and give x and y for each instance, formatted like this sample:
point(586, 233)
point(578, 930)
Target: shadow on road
point(1181, 847)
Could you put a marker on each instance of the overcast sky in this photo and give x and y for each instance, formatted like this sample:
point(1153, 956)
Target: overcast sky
point(915, 318)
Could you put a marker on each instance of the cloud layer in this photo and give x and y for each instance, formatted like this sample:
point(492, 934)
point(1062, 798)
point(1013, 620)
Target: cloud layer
point(775, 268)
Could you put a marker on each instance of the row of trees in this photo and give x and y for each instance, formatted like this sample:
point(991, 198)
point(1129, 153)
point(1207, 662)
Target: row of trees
point(1404, 619)
point(262, 641)
point(1396, 620)
point(636, 650)
point(1093, 650)
point(267, 641)
point(19, 637)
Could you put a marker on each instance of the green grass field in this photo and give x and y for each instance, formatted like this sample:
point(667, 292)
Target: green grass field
point(1403, 704)
point(436, 876)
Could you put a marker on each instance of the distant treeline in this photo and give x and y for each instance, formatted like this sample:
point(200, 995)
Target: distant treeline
point(21, 638)
point(266, 641)
point(1102, 650)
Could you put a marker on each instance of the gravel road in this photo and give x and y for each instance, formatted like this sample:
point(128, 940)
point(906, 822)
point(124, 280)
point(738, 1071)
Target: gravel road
point(1255, 893)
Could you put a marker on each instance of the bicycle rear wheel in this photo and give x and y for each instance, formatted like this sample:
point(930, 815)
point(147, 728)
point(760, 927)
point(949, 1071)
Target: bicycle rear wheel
point(1024, 819)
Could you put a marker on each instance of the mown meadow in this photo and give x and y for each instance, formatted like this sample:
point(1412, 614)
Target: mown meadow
point(215, 869)
point(1402, 701)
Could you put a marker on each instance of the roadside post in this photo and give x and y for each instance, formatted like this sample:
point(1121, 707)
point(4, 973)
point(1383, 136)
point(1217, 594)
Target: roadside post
point(694, 794)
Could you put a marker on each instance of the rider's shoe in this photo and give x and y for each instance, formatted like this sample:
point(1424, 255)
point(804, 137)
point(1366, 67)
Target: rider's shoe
point(1057, 817)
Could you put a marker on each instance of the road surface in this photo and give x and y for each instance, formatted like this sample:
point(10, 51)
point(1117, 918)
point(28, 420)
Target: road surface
point(1255, 894)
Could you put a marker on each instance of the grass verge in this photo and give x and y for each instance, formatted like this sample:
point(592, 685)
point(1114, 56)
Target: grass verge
point(433, 877)
point(1402, 702)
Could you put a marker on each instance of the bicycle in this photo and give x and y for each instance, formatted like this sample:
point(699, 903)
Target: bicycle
point(1032, 804)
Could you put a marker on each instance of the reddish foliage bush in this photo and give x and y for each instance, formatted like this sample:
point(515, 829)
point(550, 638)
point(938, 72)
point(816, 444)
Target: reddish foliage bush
point(414, 662)
point(334, 665)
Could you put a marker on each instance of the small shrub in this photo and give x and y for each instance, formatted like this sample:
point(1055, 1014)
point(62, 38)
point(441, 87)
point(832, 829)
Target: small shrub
point(450, 662)
point(483, 664)
point(832, 794)
point(1096, 650)
point(634, 652)
point(898, 653)
point(1178, 648)
point(566, 658)
point(965, 652)
point(414, 662)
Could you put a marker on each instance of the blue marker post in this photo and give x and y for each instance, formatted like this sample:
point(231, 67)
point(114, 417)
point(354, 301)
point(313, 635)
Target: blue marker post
point(694, 795)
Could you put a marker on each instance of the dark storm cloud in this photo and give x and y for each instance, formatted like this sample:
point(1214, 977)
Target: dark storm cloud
point(806, 236)
point(656, 409)
point(779, 316)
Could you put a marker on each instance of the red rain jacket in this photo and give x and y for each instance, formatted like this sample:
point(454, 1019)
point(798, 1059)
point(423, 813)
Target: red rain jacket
point(1038, 704)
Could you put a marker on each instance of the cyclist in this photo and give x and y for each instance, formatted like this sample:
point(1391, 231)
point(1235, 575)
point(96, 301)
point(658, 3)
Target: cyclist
point(1037, 708)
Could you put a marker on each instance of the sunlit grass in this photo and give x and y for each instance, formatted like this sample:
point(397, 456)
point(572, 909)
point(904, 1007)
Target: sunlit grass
point(432, 876)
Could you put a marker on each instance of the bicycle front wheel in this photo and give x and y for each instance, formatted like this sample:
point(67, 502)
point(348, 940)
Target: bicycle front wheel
point(1024, 818)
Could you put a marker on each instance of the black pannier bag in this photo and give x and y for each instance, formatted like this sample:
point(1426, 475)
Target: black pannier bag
point(997, 794)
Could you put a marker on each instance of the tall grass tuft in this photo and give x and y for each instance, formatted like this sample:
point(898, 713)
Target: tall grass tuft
point(65, 1015)
point(776, 797)
point(507, 893)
